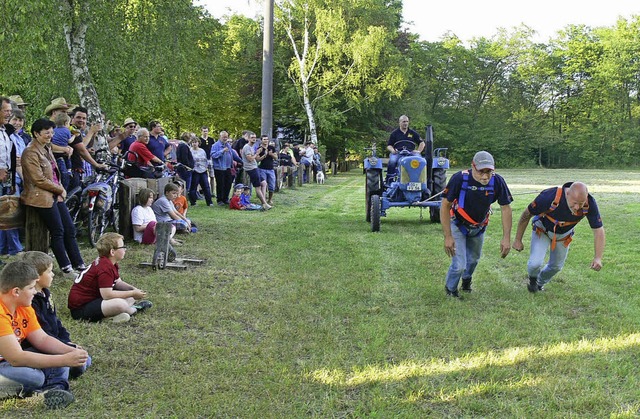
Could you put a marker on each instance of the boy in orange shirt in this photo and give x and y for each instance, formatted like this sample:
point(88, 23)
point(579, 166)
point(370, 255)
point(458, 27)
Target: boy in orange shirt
point(45, 370)
point(180, 202)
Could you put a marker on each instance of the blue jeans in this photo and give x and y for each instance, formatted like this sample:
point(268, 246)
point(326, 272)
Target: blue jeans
point(468, 252)
point(536, 267)
point(64, 166)
point(63, 234)
point(270, 176)
point(23, 381)
point(392, 165)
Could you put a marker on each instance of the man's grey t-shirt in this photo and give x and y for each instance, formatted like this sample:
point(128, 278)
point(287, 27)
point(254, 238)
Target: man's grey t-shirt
point(247, 150)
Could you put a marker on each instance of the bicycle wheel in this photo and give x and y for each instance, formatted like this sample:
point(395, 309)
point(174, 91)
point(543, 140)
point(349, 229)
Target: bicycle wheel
point(97, 224)
point(74, 205)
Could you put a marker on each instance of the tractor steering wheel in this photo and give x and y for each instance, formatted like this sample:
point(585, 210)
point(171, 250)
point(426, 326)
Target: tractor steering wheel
point(405, 146)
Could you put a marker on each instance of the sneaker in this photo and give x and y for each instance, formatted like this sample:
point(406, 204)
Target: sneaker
point(80, 268)
point(57, 398)
point(266, 206)
point(540, 288)
point(121, 318)
point(453, 294)
point(142, 305)
point(533, 285)
point(70, 274)
point(466, 285)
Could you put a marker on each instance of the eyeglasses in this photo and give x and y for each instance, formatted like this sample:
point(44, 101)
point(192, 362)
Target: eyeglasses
point(485, 172)
point(120, 247)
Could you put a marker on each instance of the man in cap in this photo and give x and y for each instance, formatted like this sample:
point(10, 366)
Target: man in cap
point(19, 103)
point(555, 212)
point(464, 215)
point(126, 137)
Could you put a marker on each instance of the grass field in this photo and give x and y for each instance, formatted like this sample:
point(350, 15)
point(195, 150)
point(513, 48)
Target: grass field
point(303, 312)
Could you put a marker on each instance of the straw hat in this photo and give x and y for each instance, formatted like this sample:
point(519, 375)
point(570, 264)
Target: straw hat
point(18, 100)
point(57, 103)
point(128, 121)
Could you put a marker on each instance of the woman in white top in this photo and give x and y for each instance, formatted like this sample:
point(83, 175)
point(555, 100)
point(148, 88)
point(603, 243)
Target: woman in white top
point(143, 220)
point(199, 176)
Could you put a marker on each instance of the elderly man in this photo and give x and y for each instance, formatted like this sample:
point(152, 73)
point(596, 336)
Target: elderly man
point(222, 156)
point(555, 212)
point(145, 159)
point(464, 215)
point(402, 138)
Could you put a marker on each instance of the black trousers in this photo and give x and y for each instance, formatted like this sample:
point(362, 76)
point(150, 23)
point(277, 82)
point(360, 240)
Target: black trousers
point(223, 184)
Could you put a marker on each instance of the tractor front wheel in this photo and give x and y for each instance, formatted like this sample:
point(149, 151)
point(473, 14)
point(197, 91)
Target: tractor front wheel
point(375, 213)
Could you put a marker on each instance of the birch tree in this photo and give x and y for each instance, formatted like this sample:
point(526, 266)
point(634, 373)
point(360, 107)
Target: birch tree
point(337, 48)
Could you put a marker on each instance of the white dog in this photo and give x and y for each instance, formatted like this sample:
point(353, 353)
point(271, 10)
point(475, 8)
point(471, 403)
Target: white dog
point(320, 178)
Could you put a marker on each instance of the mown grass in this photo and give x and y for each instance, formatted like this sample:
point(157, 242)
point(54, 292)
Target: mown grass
point(303, 312)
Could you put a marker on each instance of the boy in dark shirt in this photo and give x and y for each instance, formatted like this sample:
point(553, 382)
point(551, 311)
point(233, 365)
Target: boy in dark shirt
point(45, 309)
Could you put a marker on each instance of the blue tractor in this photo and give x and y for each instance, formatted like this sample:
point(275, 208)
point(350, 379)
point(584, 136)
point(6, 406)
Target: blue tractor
point(418, 181)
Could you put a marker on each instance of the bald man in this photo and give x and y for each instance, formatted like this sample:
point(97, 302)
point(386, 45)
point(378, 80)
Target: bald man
point(555, 212)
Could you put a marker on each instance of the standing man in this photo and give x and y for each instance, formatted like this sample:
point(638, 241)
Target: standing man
point(79, 145)
point(250, 165)
point(9, 239)
point(464, 215)
point(205, 143)
point(265, 155)
point(157, 144)
point(402, 138)
point(238, 146)
point(126, 137)
point(222, 157)
point(555, 212)
point(19, 103)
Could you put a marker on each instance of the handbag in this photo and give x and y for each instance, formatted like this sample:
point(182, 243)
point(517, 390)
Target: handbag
point(12, 212)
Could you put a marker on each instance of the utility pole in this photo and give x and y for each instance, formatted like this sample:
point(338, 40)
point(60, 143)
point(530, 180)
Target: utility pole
point(267, 71)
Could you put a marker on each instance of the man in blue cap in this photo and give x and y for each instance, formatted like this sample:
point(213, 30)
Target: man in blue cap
point(464, 215)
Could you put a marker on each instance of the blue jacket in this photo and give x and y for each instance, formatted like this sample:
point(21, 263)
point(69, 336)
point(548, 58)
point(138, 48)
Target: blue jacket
point(220, 159)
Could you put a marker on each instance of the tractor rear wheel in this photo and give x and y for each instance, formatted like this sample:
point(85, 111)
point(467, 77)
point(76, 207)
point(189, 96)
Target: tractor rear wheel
point(375, 213)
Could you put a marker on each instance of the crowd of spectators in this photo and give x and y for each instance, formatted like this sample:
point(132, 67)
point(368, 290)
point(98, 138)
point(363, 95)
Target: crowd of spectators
point(64, 151)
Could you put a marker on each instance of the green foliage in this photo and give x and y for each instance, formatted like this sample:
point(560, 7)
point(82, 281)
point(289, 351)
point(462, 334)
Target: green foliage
point(303, 312)
point(570, 102)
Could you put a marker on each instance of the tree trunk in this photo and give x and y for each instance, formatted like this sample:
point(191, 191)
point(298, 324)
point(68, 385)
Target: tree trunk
point(75, 32)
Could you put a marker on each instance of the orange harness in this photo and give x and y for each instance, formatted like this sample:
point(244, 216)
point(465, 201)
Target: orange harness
point(556, 201)
point(457, 207)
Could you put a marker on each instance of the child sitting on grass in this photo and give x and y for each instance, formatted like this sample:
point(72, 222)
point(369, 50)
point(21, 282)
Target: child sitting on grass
point(166, 212)
point(143, 220)
point(44, 307)
point(241, 199)
point(43, 370)
point(99, 292)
